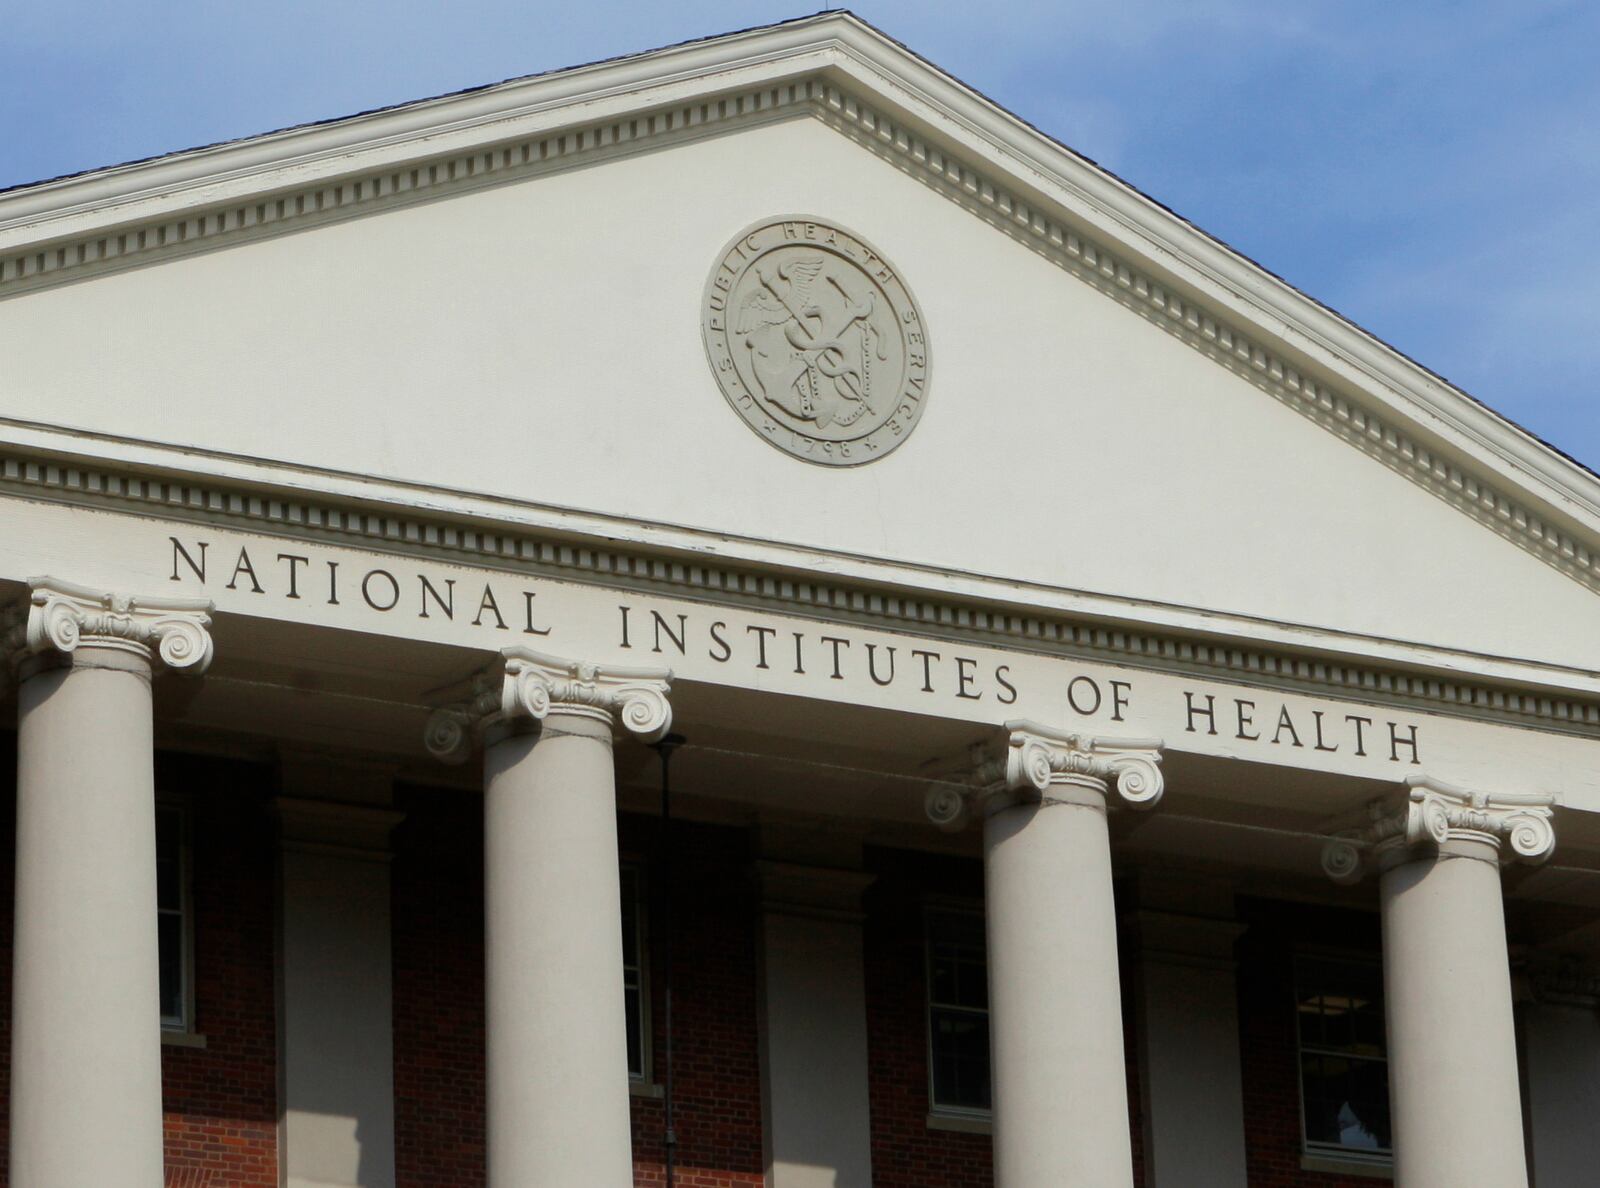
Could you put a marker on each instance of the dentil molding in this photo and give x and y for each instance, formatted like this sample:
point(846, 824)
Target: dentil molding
point(529, 685)
point(62, 617)
point(1040, 762)
point(1433, 813)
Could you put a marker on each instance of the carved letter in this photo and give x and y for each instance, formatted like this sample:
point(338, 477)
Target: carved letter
point(676, 638)
point(1285, 723)
point(447, 604)
point(1209, 713)
point(837, 644)
point(179, 551)
point(394, 589)
point(1359, 721)
point(1245, 719)
point(761, 634)
point(527, 612)
point(243, 566)
point(488, 603)
point(294, 571)
point(1000, 677)
point(1092, 707)
point(717, 629)
point(1396, 742)
point(872, 664)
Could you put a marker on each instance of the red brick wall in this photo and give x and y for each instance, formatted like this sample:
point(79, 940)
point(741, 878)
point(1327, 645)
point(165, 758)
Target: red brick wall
point(437, 941)
point(220, 1102)
point(438, 1002)
point(1267, 1023)
point(716, 1074)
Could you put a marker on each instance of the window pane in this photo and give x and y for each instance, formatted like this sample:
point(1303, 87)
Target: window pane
point(957, 967)
point(635, 1034)
point(1344, 1078)
point(630, 918)
point(170, 926)
point(1346, 1102)
point(169, 859)
point(960, 1059)
point(958, 1010)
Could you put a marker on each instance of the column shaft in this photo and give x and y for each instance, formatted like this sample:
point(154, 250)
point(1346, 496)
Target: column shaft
point(86, 1045)
point(1454, 1088)
point(1060, 1083)
point(557, 1030)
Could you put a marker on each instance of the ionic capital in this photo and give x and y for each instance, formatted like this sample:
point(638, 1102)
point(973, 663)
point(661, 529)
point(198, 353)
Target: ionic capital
point(527, 685)
point(1038, 758)
point(1430, 814)
point(60, 617)
point(1040, 762)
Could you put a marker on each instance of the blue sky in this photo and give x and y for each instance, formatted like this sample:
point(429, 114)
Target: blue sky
point(1431, 170)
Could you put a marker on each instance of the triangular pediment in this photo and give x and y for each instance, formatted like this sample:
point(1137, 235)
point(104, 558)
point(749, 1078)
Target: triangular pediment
point(502, 295)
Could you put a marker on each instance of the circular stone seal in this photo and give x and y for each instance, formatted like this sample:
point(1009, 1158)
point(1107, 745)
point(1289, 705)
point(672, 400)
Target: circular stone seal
point(816, 342)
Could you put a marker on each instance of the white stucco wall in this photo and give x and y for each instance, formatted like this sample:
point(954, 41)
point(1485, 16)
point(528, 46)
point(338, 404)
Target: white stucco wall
point(541, 341)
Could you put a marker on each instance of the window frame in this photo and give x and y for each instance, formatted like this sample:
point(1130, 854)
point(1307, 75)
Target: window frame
point(1310, 1149)
point(638, 871)
point(961, 907)
point(182, 1024)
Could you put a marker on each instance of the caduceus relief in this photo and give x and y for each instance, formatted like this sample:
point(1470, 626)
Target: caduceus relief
point(811, 346)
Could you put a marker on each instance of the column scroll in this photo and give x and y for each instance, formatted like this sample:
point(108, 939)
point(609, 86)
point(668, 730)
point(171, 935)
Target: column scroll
point(530, 685)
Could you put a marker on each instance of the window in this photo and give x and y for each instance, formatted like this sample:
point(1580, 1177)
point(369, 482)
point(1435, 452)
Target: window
point(958, 1011)
point(1344, 1067)
point(173, 913)
point(633, 969)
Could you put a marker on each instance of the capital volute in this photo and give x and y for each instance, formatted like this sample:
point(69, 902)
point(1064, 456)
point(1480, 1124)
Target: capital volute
point(1039, 762)
point(1039, 759)
point(1429, 814)
point(524, 685)
point(61, 617)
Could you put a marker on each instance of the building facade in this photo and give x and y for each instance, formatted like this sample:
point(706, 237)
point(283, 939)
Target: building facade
point(738, 616)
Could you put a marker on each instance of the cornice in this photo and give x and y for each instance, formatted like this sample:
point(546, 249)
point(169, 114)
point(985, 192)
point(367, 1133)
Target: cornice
point(830, 587)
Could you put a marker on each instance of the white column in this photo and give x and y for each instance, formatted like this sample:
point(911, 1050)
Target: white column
point(1055, 998)
point(556, 1020)
point(1455, 1097)
point(86, 1015)
point(335, 1001)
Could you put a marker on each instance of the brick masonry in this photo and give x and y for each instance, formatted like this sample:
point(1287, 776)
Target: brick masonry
point(220, 1102)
